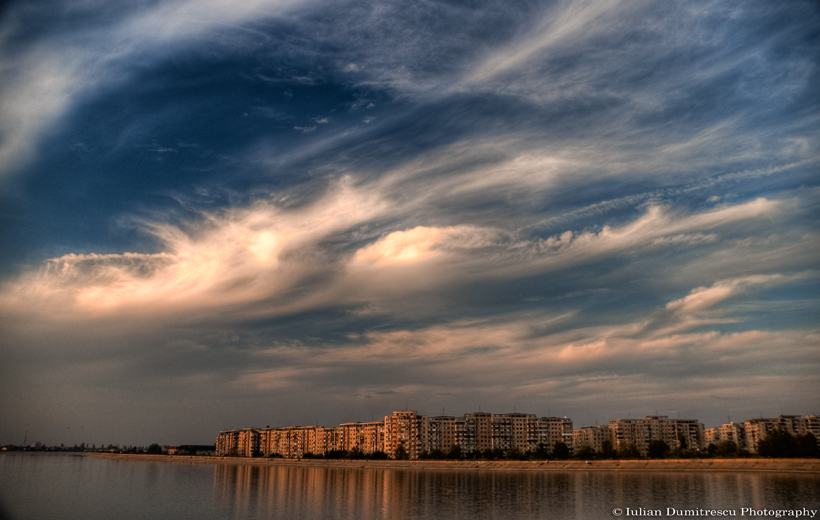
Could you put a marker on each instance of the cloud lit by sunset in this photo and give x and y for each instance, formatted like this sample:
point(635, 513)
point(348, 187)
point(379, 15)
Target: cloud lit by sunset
point(405, 247)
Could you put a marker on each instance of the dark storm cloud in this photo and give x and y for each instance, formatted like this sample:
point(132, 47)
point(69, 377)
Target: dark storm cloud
point(309, 212)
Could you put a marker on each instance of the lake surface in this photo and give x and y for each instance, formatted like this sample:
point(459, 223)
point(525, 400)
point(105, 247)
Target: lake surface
point(72, 486)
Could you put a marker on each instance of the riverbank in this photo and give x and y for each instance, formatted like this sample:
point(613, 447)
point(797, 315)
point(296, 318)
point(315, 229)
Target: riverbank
point(803, 466)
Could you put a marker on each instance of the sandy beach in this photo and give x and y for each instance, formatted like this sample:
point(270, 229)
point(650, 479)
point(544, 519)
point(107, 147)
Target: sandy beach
point(804, 466)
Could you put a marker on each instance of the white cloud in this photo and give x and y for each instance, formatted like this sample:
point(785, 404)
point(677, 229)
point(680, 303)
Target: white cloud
point(405, 247)
point(232, 257)
point(422, 243)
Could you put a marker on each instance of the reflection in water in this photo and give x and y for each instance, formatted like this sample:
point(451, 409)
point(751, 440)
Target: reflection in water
point(292, 492)
point(72, 487)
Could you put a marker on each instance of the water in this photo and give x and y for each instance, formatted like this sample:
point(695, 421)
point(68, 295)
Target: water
point(68, 486)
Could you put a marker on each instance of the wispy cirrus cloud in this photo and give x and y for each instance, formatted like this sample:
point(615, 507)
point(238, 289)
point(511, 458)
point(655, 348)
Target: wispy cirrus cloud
point(45, 78)
point(260, 254)
point(566, 24)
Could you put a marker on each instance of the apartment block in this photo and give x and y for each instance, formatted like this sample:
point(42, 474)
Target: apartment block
point(756, 430)
point(476, 433)
point(442, 433)
point(676, 433)
point(405, 431)
point(555, 429)
point(813, 426)
point(372, 437)
point(711, 436)
point(735, 433)
point(794, 424)
point(690, 434)
point(747, 435)
point(248, 442)
point(593, 437)
point(479, 431)
point(227, 442)
point(514, 431)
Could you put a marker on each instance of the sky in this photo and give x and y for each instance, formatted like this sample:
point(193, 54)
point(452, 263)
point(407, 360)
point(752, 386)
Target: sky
point(279, 212)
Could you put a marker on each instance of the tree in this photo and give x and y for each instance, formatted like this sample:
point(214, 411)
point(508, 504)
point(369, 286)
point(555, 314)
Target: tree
point(806, 446)
point(336, 454)
point(154, 449)
point(560, 451)
point(454, 453)
point(541, 452)
point(585, 453)
point(435, 454)
point(607, 451)
point(401, 452)
point(779, 443)
point(658, 449)
point(514, 454)
point(629, 451)
point(725, 449)
point(355, 454)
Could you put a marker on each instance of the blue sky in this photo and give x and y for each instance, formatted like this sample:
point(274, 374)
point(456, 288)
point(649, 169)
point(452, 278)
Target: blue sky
point(291, 212)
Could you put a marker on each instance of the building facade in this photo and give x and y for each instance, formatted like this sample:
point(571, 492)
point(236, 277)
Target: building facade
point(676, 433)
point(408, 434)
point(555, 429)
point(593, 437)
point(747, 435)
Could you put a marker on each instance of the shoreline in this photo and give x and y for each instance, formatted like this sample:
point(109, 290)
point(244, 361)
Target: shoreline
point(801, 466)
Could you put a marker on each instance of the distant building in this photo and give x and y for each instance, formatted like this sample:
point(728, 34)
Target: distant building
point(813, 426)
point(405, 431)
point(555, 429)
point(476, 432)
point(227, 442)
point(747, 435)
point(523, 432)
point(593, 437)
point(757, 430)
point(442, 433)
point(676, 433)
point(248, 442)
point(735, 433)
point(408, 432)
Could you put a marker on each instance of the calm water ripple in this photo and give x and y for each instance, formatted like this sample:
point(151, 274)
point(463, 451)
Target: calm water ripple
point(67, 486)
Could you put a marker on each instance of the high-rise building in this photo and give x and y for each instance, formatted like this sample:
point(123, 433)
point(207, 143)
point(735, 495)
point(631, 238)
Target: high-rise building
point(592, 437)
point(555, 429)
point(477, 432)
point(813, 426)
point(405, 434)
point(413, 434)
point(676, 433)
point(756, 430)
point(442, 433)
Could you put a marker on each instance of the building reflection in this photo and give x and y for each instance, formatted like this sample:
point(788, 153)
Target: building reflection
point(285, 491)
